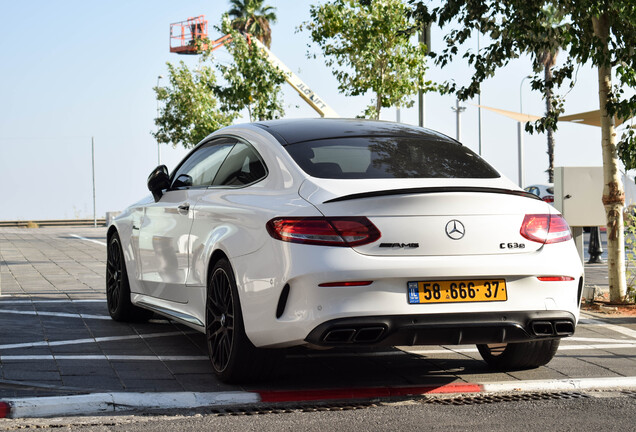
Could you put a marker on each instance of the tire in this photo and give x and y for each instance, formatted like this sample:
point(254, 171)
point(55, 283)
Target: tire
point(233, 357)
point(519, 356)
point(120, 307)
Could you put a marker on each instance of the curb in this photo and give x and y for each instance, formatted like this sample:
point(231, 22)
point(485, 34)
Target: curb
point(104, 403)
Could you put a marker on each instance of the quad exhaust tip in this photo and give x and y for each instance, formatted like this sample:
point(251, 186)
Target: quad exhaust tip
point(556, 328)
point(361, 335)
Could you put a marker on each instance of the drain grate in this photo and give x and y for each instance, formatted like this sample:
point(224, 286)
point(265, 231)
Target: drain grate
point(283, 409)
point(488, 399)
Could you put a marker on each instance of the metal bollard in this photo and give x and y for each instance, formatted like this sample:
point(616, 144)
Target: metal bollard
point(595, 249)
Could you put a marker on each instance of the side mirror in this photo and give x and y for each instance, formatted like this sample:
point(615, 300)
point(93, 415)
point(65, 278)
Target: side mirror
point(158, 180)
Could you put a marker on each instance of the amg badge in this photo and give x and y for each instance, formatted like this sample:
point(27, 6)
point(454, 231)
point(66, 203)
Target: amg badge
point(400, 245)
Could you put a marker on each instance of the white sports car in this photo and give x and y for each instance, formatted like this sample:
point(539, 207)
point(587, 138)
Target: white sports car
point(341, 233)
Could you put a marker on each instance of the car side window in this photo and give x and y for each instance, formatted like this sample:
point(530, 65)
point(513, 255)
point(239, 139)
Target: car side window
point(200, 168)
point(243, 166)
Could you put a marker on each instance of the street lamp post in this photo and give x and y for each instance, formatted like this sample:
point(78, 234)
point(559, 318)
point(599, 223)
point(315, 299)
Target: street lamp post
point(158, 143)
point(458, 109)
point(520, 133)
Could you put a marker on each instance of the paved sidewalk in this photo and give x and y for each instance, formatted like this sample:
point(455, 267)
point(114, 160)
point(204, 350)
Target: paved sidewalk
point(56, 337)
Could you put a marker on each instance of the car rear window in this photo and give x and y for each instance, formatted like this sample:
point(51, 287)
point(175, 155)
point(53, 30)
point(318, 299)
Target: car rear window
point(388, 157)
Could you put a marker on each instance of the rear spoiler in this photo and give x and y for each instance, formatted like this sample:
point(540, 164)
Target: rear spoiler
point(428, 190)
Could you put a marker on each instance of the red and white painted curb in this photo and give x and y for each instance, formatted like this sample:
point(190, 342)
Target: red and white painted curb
point(104, 403)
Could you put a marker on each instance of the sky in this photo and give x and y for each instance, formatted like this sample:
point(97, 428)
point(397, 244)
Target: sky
point(74, 71)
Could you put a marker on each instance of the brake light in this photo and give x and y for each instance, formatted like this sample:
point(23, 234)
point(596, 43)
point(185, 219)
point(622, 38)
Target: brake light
point(545, 228)
point(336, 231)
point(548, 198)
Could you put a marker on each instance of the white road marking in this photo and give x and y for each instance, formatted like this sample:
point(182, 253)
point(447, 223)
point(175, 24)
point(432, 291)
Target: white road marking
point(602, 340)
point(49, 301)
point(101, 357)
point(56, 314)
point(88, 340)
point(89, 240)
point(587, 347)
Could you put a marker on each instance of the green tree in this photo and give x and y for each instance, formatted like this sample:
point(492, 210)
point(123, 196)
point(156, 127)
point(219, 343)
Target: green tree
point(189, 111)
point(597, 32)
point(253, 83)
point(253, 17)
point(370, 49)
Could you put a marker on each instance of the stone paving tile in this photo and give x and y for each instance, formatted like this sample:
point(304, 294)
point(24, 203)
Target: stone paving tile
point(538, 373)
point(574, 366)
point(93, 382)
point(39, 366)
point(126, 347)
point(152, 370)
point(84, 368)
point(613, 363)
point(30, 375)
point(193, 367)
point(204, 383)
point(171, 385)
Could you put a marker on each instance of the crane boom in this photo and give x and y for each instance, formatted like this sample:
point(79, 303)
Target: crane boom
point(306, 93)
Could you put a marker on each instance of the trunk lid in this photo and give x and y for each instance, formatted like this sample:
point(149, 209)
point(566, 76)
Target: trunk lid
point(432, 217)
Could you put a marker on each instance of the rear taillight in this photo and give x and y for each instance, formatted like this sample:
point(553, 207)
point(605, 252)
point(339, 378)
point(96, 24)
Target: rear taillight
point(333, 231)
point(548, 198)
point(545, 228)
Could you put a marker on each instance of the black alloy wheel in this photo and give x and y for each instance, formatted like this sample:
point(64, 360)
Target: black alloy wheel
point(220, 319)
point(233, 356)
point(120, 307)
point(114, 275)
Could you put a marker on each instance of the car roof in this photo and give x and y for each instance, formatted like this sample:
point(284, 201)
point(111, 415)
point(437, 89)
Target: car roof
point(292, 131)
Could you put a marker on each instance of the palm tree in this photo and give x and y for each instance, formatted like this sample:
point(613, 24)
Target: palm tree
point(253, 17)
point(547, 58)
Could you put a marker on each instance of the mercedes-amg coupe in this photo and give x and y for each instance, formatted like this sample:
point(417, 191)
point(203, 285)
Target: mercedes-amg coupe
point(344, 233)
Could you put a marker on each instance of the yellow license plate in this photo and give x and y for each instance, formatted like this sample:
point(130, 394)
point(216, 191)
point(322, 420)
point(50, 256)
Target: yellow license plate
point(480, 290)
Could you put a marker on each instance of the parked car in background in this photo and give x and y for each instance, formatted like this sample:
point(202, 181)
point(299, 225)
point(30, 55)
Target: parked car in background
point(543, 191)
point(343, 233)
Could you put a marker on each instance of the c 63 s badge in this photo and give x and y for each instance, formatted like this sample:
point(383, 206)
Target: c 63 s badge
point(512, 246)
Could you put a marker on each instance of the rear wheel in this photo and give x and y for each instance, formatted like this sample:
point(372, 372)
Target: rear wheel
point(234, 358)
point(517, 356)
point(120, 307)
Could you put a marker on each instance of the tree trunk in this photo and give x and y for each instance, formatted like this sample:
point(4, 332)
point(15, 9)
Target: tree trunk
point(548, 106)
point(378, 106)
point(613, 194)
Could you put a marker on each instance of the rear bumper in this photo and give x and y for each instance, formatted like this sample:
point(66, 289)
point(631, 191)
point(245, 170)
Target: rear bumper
point(444, 329)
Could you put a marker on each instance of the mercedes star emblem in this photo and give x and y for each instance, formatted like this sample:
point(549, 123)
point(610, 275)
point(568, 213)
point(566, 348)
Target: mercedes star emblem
point(455, 229)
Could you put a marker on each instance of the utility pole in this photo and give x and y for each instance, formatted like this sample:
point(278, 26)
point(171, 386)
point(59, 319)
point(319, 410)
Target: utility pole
point(479, 103)
point(458, 110)
point(93, 162)
point(520, 134)
point(424, 37)
point(158, 143)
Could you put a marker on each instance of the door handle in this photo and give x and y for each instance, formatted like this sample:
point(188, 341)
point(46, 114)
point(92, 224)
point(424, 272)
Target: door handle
point(184, 207)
